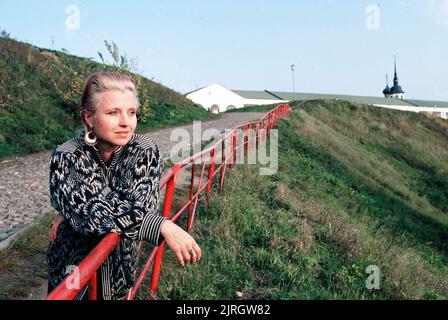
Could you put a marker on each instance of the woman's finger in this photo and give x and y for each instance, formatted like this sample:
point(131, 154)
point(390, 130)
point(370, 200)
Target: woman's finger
point(180, 257)
point(198, 251)
point(186, 255)
point(194, 252)
point(193, 256)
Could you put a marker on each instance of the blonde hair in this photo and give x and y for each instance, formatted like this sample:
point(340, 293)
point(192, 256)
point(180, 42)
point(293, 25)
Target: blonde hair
point(102, 81)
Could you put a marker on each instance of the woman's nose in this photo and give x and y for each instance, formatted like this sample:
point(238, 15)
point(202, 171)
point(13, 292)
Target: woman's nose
point(124, 120)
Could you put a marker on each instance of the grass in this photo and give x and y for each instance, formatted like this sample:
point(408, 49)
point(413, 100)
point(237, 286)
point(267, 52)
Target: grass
point(261, 249)
point(263, 108)
point(22, 265)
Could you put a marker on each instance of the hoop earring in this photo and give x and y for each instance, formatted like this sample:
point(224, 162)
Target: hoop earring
point(90, 141)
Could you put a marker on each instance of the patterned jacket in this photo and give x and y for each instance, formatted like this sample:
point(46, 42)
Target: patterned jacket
point(96, 198)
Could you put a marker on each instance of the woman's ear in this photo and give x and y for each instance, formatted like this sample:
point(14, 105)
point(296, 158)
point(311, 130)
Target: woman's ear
point(87, 117)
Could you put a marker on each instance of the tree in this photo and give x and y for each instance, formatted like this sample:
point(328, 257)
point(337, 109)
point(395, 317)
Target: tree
point(130, 68)
point(5, 35)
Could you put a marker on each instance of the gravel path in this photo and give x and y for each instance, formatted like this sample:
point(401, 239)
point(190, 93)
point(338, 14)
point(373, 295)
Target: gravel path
point(24, 195)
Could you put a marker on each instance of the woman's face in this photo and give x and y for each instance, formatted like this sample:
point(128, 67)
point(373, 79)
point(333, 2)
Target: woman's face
point(115, 118)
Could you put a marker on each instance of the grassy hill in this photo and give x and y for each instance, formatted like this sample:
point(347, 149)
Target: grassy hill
point(40, 92)
point(357, 186)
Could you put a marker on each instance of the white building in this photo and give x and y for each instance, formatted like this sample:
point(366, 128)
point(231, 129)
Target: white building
point(216, 98)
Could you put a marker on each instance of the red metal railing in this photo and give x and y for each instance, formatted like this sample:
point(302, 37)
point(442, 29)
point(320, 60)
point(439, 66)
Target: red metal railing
point(86, 271)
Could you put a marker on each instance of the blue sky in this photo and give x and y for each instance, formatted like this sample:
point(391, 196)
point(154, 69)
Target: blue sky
point(343, 47)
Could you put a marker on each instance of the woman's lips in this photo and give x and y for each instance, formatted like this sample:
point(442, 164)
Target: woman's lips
point(123, 133)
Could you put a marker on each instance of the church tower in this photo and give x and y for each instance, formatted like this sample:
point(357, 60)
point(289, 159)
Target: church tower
point(396, 91)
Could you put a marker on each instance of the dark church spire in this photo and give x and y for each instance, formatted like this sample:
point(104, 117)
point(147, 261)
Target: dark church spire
point(396, 89)
point(395, 71)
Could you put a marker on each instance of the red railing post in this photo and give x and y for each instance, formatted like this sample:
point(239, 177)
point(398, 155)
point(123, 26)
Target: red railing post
point(166, 213)
point(191, 196)
point(265, 133)
point(234, 147)
point(268, 127)
point(91, 294)
point(246, 142)
point(211, 170)
point(197, 194)
point(231, 151)
point(233, 158)
point(223, 165)
point(254, 145)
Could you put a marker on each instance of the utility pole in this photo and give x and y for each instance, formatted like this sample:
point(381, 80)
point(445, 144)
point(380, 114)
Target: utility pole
point(293, 86)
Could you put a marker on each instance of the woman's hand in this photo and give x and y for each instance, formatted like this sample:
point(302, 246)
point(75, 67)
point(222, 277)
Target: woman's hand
point(180, 242)
point(53, 231)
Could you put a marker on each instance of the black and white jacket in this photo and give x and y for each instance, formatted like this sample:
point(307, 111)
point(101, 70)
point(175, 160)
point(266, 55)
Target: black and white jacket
point(95, 199)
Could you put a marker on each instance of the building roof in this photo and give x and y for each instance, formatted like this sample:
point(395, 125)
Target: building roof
point(396, 89)
point(257, 95)
point(187, 93)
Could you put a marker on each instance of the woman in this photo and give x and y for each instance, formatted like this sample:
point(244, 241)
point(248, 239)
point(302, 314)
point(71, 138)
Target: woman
point(108, 181)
